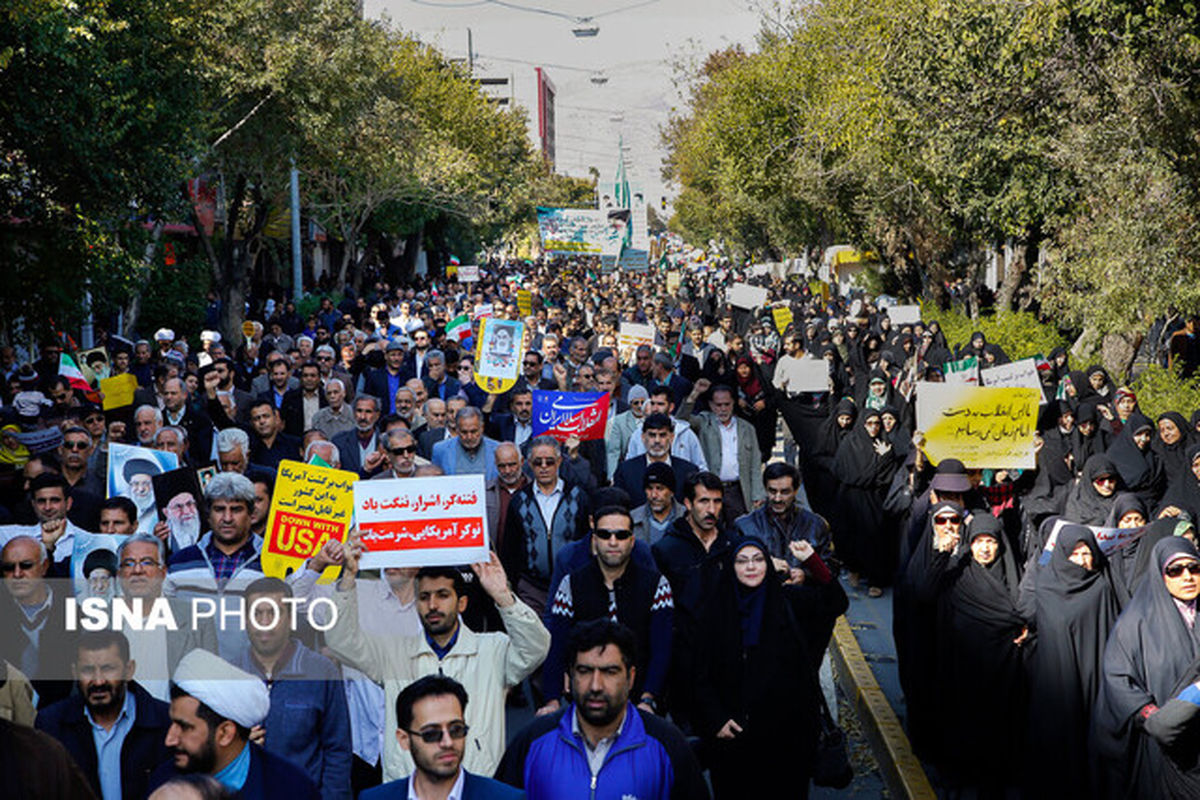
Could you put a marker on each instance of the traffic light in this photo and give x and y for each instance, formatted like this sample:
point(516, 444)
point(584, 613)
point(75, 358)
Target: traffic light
point(663, 203)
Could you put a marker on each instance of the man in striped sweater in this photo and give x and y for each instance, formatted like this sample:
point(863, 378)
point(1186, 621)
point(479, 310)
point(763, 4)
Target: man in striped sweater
point(224, 561)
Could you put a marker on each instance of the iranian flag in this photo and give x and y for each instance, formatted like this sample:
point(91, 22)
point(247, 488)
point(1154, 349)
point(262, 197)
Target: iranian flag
point(68, 369)
point(459, 328)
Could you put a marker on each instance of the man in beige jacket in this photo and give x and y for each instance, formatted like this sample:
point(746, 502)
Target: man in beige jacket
point(487, 664)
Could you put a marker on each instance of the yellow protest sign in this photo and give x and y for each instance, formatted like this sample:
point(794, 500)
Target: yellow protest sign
point(248, 329)
point(984, 427)
point(310, 505)
point(783, 318)
point(525, 302)
point(674, 279)
point(118, 391)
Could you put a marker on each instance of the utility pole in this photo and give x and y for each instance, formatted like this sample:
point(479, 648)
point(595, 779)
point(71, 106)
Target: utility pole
point(297, 266)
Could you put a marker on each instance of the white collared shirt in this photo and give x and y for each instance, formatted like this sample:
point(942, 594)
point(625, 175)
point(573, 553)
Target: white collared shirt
point(456, 791)
point(548, 503)
point(521, 432)
point(729, 450)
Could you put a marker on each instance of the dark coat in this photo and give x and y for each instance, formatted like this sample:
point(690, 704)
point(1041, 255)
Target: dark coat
point(475, 787)
point(144, 747)
point(631, 471)
point(271, 778)
point(292, 410)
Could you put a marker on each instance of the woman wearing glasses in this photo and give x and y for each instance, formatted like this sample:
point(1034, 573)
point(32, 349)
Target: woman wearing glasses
point(1091, 499)
point(757, 698)
point(1152, 647)
point(981, 640)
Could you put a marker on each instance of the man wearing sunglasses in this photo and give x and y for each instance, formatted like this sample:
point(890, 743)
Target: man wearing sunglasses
point(402, 456)
point(33, 634)
point(430, 726)
point(613, 579)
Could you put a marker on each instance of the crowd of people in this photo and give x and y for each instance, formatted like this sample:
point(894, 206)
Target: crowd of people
point(661, 598)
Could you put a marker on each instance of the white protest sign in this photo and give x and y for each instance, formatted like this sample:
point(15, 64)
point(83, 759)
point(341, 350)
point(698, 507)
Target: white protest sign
point(631, 336)
point(1018, 373)
point(810, 375)
point(900, 315)
point(743, 295)
point(468, 273)
point(422, 522)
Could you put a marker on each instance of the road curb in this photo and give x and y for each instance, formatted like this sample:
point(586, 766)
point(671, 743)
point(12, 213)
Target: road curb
point(899, 766)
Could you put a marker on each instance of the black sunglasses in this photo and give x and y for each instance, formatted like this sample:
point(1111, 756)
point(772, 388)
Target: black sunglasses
point(396, 451)
point(457, 730)
point(11, 566)
point(608, 533)
point(76, 445)
point(1175, 570)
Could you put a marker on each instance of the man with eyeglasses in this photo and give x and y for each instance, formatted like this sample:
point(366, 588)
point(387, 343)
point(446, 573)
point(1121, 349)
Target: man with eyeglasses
point(82, 473)
point(541, 520)
point(415, 365)
point(141, 570)
point(431, 727)
point(33, 631)
point(402, 455)
point(613, 585)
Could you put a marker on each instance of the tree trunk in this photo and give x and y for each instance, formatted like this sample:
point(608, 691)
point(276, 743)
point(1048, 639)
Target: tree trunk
point(133, 309)
point(1118, 351)
point(408, 262)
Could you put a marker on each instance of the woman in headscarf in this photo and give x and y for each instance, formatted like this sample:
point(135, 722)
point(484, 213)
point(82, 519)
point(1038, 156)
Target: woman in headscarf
point(863, 467)
point(1060, 364)
point(982, 643)
point(896, 430)
point(915, 629)
point(818, 468)
point(1123, 406)
point(1184, 495)
point(975, 346)
point(1054, 474)
point(1076, 388)
point(756, 404)
point(1140, 469)
point(1075, 605)
point(1087, 439)
point(1151, 647)
point(1100, 382)
point(1171, 444)
point(1094, 493)
point(756, 688)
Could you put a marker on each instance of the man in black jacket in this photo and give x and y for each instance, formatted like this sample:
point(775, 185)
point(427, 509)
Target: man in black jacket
point(113, 728)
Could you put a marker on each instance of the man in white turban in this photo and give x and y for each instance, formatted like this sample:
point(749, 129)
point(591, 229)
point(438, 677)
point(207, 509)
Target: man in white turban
point(213, 707)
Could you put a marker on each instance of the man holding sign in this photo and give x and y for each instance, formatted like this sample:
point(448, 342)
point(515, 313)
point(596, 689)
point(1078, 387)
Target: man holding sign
point(487, 664)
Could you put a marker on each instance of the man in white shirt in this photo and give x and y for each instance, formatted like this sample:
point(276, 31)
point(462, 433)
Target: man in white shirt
point(685, 445)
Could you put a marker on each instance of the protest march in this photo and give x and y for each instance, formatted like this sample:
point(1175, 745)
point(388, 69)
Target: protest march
point(303, 536)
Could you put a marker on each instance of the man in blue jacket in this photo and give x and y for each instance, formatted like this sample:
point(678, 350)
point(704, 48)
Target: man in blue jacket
point(112, 727)
point(309, 721)
point(430, 715)
point(601, 746)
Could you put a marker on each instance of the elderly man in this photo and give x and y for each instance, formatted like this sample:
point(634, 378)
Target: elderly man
point(337, 417)
point(401, 451)
point(730, 447)
point(325, 450)
point(146, 422)
point(233, 450)
point(510, 479)
point(34, 637)
point(665, 375)
point(542, 519)
point(141, 570)
point(436, 430)
point(469, 453)
point(173, 439)
point(226, 559)
point(406, 408)
point(360, 447)
point(437, 382)
point(624, 427)
point(213, 707)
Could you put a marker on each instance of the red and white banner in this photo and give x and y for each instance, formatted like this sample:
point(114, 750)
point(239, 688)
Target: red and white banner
point(422, 522)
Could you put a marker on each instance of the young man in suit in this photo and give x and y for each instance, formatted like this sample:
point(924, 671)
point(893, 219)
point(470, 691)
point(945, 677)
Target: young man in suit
point(430, 725)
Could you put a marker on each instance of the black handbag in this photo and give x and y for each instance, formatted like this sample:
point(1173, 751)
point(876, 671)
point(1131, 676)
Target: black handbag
point(832, 765)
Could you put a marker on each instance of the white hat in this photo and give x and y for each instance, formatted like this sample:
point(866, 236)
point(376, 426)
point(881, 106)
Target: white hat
point(231, 692)
point(210, 336)
point(164, 335)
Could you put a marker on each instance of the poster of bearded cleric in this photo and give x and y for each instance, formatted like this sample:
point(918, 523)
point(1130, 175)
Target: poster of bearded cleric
point(131, 472)
point(180, 501)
